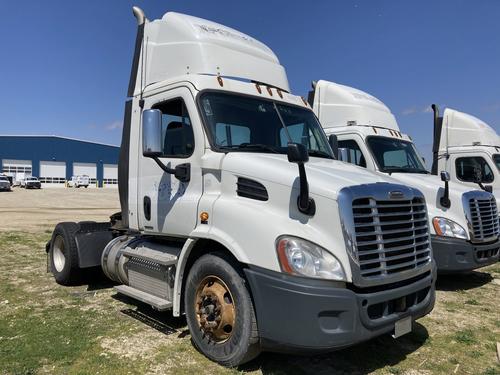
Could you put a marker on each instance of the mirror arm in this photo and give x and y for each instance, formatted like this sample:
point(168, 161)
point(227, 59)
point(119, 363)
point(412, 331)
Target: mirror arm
point(305, 204)
point(163, 166)
point(182, 171)
point(445, 199)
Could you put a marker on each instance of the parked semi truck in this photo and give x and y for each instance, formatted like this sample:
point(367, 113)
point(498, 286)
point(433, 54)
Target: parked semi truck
point(235, 213)
point(467, 148)
point(463, 222)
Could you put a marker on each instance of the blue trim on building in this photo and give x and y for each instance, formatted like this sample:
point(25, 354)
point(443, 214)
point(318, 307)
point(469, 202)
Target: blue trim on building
point(52, 148)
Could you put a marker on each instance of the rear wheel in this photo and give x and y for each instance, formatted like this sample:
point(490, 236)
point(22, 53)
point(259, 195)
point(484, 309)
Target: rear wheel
point(220, 312)
point(63, 254)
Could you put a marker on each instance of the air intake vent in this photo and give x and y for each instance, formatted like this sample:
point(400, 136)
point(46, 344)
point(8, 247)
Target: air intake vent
point(251, 189)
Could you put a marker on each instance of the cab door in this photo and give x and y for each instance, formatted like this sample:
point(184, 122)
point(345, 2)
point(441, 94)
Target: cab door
point(462, 168)
point(166, 205)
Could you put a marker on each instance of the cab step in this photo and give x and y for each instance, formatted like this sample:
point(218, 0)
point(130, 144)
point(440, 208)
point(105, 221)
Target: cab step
point(157, 303)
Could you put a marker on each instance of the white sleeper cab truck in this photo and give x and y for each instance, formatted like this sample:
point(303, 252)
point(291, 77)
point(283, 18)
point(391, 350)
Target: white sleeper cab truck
point(467, 148)
point(463, 222)
point(235, 213)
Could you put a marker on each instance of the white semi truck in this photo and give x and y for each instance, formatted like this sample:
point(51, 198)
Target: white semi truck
point(235, 213)
point(467, 148)
point(463, 222)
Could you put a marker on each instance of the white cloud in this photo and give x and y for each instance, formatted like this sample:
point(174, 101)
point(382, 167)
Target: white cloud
point(417, 109)
point(115, 125)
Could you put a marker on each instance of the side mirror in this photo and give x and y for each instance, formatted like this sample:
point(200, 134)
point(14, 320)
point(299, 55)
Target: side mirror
point(343, 154)
point(151, 133)
point(445, 176)
point(488, 188)
point(334, 144)
point(297, 153)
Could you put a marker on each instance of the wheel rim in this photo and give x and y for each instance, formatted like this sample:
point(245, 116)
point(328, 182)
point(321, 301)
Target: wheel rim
point(215, 312)
point(58, 254)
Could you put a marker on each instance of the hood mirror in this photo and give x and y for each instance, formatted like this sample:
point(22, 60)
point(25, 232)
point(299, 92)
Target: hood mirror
point(334, 144)
point(445, 199)
point(297, 153)
point(445, 176)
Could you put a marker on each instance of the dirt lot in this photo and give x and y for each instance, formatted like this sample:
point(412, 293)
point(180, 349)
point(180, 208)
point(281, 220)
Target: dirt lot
point(46, 328)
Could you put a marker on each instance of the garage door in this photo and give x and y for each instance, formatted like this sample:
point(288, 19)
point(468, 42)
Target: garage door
point(17, 169)
point(52, 173)
point(110, 175)
point(89, 169)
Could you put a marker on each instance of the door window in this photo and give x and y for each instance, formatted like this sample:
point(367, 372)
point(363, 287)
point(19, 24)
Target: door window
point(468, 167)
point(354, 153)
point(177, 132)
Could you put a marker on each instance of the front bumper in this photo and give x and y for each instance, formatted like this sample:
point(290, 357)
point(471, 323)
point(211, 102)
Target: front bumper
point(35, 185)
point(456, 255)
point(4, 187)
point(296, 314)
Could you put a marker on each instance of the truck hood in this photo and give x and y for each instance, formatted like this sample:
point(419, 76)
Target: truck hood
point(433, 189)
point(326, 177)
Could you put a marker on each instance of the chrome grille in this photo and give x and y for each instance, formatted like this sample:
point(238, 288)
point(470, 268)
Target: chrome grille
point(483, 219)
point(391, 236)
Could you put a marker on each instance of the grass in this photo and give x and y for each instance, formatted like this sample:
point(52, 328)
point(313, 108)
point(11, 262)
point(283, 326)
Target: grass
point(46, 328)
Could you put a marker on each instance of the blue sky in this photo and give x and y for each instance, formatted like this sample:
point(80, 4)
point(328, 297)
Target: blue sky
point(65, 64)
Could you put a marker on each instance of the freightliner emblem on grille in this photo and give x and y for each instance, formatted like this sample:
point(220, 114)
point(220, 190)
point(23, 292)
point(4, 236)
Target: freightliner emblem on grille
point(396, 194)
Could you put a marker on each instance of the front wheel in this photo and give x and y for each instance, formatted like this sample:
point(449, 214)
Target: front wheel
point(220, 312)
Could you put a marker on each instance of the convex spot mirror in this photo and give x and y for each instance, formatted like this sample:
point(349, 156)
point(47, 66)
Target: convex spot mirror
point(151, 133)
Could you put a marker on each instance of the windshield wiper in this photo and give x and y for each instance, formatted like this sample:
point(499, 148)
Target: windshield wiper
point(404, 170)
point(320, 154)
point(251, 146)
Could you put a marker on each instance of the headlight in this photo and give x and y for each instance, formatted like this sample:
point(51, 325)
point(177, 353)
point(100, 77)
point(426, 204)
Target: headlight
point(303, 258)
point(448, 228)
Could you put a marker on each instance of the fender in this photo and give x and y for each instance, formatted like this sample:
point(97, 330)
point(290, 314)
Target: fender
point(215, 235)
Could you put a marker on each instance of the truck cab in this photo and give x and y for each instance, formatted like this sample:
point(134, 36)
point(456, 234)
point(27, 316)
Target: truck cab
point(468, 149)
point(463, 222)
point(234, 209)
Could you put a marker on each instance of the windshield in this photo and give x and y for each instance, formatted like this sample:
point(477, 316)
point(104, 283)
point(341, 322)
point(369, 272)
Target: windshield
point(496, 159)
point(244, 123)
point(394, 155)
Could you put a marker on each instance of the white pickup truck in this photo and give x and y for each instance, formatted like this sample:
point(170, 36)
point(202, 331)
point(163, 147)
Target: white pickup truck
point(236, 214)
point(464, 223)
point(79, 181)
point(4, 183)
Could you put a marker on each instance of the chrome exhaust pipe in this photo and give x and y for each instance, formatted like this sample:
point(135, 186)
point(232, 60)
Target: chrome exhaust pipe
point(139, 15)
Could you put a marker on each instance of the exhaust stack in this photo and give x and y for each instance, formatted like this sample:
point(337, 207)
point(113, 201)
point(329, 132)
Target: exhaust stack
point(438, 126)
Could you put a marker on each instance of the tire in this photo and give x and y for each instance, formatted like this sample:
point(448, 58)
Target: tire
point(242, 343)
point(63, 254)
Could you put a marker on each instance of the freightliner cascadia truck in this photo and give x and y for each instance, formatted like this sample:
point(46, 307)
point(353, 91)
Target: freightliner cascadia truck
point(463, 222)
point(467, 148)
point(235, 213)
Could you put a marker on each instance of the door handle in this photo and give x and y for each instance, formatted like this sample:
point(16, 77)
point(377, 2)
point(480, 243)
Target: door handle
point(147, 208)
